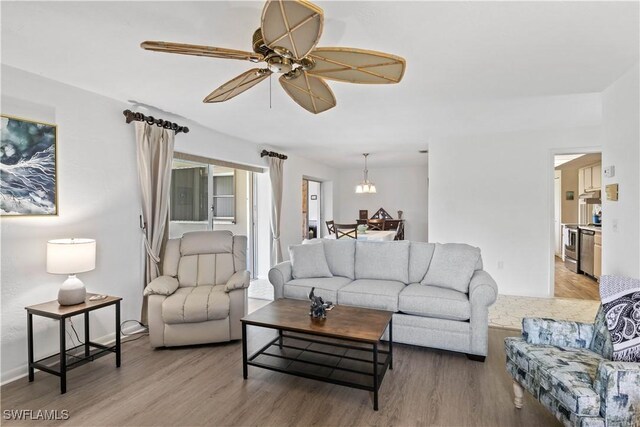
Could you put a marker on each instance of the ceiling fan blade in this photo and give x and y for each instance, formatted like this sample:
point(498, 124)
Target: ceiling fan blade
point(311, 93)
point(237, 85)
point(295, 25)
point(198, 50)
point(357, 65)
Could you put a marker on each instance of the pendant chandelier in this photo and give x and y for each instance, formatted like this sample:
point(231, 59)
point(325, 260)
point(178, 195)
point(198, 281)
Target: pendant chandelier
point(365, 186)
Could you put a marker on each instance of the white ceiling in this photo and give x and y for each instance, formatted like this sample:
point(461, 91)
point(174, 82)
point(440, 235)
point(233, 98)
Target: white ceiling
point(471, 67)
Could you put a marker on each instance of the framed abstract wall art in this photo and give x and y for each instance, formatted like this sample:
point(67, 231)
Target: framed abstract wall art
point(28, 167)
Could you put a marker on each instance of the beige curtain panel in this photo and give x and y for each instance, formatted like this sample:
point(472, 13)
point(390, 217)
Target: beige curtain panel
point(275, 176)
point(155, 154)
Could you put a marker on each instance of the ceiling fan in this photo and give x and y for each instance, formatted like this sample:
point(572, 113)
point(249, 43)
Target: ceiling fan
point(286, 41)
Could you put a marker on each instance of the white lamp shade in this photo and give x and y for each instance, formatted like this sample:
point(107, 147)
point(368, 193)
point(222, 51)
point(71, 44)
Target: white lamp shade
point(71, 256)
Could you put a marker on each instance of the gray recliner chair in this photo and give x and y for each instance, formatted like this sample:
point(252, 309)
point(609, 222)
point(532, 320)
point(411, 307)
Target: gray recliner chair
point(202, 294)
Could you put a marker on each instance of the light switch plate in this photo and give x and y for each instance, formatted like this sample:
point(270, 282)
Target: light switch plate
point(609, 171)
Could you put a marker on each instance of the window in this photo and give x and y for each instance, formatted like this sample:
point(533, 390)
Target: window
point(189, 191)
point(202, 193)
point(224, 197)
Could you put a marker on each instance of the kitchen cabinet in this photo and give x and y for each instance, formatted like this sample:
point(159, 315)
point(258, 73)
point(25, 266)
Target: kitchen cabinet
point(590, 178)
point(596, 176)
point(597, 255)
point(586, 179)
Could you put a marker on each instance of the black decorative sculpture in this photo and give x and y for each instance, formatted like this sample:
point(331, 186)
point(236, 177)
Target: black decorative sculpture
point(318, 308)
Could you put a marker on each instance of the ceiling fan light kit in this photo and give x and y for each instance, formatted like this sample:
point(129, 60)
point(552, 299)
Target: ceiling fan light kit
point(366, 186)
point(286, 42)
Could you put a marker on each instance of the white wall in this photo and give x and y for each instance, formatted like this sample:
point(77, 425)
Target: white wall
point(621, 148)
point(496, 192)
point(398, 188)
point(97, 198)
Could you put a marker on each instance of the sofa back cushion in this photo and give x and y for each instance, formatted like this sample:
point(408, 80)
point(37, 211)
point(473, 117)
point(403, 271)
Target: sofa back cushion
point(206, 242)
point(382, 260)
point(308, 261)
point(206, 258)
point(420, 255)
point(452, 266)
point(341, 256)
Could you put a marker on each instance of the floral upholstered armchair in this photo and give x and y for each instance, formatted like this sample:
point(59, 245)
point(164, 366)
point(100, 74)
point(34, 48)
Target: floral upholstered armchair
point(567, 366)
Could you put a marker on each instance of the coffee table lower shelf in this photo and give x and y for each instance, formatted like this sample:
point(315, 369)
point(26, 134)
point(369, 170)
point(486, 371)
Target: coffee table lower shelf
point(336, 361)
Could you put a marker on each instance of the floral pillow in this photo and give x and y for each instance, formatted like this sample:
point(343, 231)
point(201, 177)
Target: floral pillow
point(621, 305)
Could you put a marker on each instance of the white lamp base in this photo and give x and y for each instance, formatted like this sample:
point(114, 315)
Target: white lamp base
point(72, 291)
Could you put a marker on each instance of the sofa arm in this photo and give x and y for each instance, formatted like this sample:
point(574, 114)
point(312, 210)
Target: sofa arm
point(278, 276)
point(163, 285)
point(238, 280)
point(618, 384)
point(561, 333)
point(483, 290)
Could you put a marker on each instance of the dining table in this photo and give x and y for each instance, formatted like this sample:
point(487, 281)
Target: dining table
point(372, 236)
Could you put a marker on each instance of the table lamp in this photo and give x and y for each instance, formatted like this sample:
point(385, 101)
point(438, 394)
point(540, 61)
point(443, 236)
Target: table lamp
point(71, 256)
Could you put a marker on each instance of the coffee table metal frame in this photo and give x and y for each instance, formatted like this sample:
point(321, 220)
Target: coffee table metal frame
point(383, 359)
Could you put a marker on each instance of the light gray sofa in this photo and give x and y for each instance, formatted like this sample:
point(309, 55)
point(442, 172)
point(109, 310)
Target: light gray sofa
point(438, 292)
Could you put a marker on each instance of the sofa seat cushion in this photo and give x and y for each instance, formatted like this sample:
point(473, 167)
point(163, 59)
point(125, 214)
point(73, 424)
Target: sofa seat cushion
point(565, 373)
point(370, 293)
point(326, 287)
point(196, 304)
point(432, 301)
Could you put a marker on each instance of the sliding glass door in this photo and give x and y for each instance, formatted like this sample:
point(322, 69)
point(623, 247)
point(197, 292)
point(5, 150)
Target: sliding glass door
point(205, 196)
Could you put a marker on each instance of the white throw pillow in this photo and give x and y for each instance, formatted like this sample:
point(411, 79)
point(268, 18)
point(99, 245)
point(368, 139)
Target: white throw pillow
point(308, 261)
point(452, 266)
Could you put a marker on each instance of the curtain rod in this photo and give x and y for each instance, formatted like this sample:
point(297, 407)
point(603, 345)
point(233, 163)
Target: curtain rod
point(273, 154)
point(139, 117)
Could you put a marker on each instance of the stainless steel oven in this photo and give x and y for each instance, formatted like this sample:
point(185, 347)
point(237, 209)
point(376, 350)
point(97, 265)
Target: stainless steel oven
point(572, 248)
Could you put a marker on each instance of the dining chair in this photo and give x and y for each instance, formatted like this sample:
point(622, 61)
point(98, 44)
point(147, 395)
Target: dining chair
point(397, 225)
point(331, 227)
point(350, 233)
point(376, 224)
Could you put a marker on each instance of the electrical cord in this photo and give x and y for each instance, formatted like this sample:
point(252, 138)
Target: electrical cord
point(75, 332)
point(143, 333)
point(146, 328)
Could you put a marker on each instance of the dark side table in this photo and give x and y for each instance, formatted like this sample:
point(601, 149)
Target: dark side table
point(58, 364)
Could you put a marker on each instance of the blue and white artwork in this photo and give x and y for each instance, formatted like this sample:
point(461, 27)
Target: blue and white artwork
point(27, 168)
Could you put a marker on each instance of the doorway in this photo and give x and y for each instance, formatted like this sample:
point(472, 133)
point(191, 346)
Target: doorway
point(311, 209)
point(577, 213)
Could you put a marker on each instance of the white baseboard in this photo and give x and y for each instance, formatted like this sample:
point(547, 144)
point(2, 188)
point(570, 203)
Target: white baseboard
point(22, 371)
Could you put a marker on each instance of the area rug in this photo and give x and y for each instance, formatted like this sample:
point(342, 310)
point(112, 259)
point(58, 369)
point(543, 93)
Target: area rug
point(508, 311)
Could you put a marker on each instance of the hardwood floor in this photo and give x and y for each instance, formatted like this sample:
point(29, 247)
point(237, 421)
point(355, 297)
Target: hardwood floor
point(203, 385)
point(572, 285)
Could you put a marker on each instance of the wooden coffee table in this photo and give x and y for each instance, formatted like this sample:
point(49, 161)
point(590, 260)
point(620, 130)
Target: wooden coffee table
point(342, 349)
